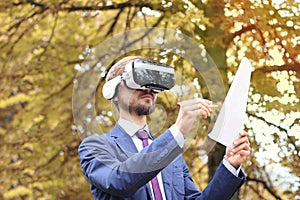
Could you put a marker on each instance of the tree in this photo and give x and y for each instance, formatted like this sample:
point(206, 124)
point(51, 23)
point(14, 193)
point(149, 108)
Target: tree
point(43, 47)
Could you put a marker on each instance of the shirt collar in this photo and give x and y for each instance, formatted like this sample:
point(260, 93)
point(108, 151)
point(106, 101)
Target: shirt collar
point(130, 127)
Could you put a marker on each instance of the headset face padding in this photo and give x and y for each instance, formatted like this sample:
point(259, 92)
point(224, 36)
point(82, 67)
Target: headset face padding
point(109, 89)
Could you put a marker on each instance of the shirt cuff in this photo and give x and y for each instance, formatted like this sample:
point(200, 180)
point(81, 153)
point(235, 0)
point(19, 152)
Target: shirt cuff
point(231, 168)
point(177, 135)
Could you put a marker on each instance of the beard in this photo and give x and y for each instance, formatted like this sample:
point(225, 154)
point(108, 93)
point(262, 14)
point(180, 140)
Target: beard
point(136, 108)
point(141, 109)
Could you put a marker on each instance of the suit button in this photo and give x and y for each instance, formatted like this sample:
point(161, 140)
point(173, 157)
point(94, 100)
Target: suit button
point(162, 155)
point(165, 152)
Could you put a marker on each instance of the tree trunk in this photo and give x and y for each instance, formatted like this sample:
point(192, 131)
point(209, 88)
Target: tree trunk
point(214, 10)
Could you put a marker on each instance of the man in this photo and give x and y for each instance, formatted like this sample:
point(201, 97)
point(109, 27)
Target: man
point(119, 165)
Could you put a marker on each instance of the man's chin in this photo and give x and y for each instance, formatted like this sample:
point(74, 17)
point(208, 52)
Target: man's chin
point(144, 110)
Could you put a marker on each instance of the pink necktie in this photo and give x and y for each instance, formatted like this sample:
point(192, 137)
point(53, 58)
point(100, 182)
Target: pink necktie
point(155, 186)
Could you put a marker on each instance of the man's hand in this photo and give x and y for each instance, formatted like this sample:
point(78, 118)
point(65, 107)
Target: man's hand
point(189, 112)
point(240, 151)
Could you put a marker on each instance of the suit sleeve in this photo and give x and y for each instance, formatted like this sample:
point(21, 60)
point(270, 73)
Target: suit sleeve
point(222, 187)
point(123, 176)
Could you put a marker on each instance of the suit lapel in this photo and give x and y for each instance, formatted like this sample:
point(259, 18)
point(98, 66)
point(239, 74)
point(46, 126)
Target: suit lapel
point(125, 143)
point(123, 140)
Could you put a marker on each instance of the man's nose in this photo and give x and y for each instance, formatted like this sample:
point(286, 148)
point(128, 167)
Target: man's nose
point(149, 90)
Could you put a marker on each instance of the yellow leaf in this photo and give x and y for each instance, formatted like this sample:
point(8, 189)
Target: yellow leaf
point(38, 118)
point(19, 191)
point(28, 146)
point(19, 98)
point(29, 172)
point(2, 131)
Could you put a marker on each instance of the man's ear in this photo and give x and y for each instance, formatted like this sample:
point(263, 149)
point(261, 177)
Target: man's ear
point(115, 102)
point(115, 99)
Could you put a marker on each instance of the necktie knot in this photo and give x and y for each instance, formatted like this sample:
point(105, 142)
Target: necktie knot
point(142, 134)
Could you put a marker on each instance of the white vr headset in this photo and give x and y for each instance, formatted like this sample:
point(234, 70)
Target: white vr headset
point(140, 75)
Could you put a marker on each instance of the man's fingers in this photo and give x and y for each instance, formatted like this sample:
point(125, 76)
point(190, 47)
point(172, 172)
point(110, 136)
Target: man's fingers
point(195, 101)
point(244, 153)
point(241, 147)
point(189, 112)
point(242, 139)
point(201, 106)
point(240, 151)
point(243, 133)
point(195, 113)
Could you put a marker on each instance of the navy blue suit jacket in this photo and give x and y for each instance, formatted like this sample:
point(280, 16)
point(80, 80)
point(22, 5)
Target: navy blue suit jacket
point(116, 170)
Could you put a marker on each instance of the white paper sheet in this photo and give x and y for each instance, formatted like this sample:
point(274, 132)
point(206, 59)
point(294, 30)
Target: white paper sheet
point(230, 120)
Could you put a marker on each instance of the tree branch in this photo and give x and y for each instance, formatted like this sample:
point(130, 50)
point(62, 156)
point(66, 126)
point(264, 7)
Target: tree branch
point(114, 6)
point(289, 66)
point(295, 66)
point(112, 27)
point(40, 167)
point(240, 32)
point(280, 128)
point(285, 67)
point(16, 27)
point(50, 37)
point(14, 43)
point(111, 7)
point(249, 179)
point(144, 35)
point(256, 190)
point(63, 88)
point(42, 6)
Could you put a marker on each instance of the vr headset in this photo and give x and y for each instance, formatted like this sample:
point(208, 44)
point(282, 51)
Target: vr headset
point(140, 75)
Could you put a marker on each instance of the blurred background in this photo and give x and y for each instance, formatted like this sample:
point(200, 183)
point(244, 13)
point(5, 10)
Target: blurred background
point(45, 43)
